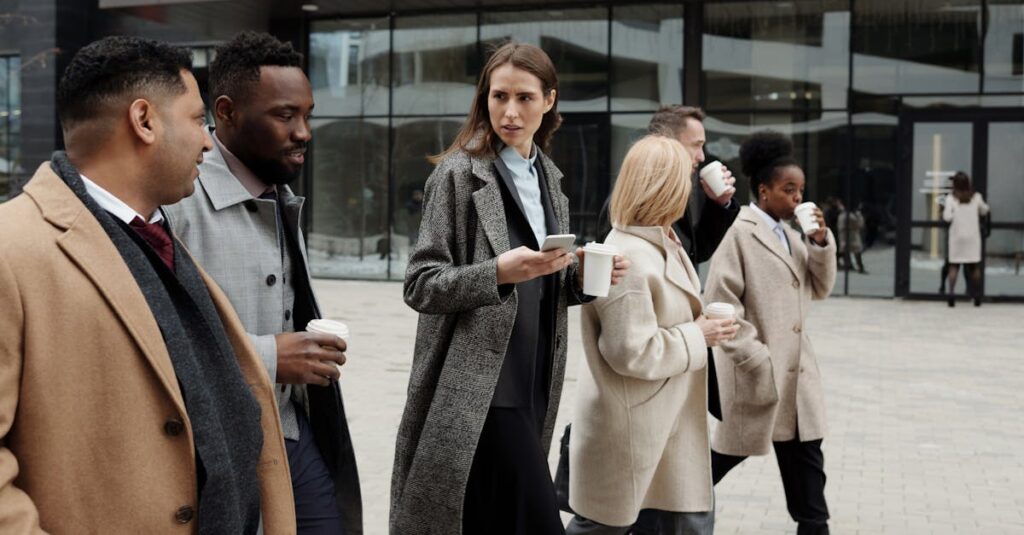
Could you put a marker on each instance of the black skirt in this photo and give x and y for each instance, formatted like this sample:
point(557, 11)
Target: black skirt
point(510, 490)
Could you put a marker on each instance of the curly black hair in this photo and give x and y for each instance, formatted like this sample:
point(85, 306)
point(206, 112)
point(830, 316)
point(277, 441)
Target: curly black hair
point(762, 154)
point(117, 67)
point(237, 65)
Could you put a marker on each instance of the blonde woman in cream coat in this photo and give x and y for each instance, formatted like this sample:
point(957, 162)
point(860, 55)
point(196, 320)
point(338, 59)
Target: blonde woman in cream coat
point(640, 435)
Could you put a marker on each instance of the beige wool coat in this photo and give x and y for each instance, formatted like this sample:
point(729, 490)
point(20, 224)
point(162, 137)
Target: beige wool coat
point(639, 434)
point(768, 375)
point(88, 391)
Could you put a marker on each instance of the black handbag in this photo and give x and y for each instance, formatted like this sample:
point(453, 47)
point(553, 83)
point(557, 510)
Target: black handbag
point(562, 473)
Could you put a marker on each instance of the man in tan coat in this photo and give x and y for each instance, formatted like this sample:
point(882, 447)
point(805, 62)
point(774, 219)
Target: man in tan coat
point(130, 398)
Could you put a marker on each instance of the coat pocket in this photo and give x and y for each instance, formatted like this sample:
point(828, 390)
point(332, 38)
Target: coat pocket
point(755, 387)
point(640, 391)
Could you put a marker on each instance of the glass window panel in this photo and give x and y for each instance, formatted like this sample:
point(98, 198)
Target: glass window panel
point(580, 149)
point(1004, 47)
point(1005, 189)
point(940, 150)
point(575, 39)
point(436, 64)
point(10, 123)
point(776, 55)
point(927, 256)
point(348, 233)
point(626, 130)
point(349, 67)
point(415, 139)
point(909, 46)
point(1004, 263)
point(647, 56)
point(873, 193)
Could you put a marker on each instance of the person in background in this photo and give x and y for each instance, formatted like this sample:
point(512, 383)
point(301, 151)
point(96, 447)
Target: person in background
point(771, 387)
point(131, 400)
point(640, 432)
point(850, 228)
point(242, 225)
point(963, 210)
point(471, 454)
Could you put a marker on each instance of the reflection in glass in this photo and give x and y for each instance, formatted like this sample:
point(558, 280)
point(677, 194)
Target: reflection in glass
point(940, 150)
point(776, 54)
point(1004, 47)
point(348, 233)
point(1005, 191)
point(349, 66)
point(580, 149)
point(436, 64)
point(576, 40)
point(873, 193)
point(1004, 263)
point(415, 139)
point(10, 123)
point(626, 130)
point(908, 46)
point(647, 56)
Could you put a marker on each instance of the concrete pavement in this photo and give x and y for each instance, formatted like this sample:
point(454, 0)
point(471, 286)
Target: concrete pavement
point(924, 406)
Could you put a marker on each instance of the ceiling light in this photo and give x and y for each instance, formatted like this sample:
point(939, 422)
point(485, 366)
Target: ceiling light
point(310, 8)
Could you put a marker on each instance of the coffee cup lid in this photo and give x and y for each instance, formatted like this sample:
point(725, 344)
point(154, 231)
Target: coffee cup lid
point(326, 326)
point(718, 308)
point(707, 168)
point(600, 248)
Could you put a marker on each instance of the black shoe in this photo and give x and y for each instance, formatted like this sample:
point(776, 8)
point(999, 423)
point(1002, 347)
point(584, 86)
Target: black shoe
point(977, 301)
point(951, 301)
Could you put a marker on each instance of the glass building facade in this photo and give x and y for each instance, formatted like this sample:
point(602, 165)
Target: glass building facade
point(884, 100)
point(10, 122)
point(865, 88)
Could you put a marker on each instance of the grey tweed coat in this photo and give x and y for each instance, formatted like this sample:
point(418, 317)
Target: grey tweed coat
point(464, 328)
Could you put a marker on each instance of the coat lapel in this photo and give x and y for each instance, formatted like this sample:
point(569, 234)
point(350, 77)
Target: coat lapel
point(680, 273)
point(769, 239)
point(489, 208)
point(88, 246)
point(506, 175)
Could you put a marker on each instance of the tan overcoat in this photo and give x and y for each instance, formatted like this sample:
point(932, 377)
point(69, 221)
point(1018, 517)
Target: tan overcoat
point(639, 433)
point(91, 415)
point(768, 374)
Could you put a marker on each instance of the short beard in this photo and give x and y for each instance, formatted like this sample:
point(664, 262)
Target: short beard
point(273, 172)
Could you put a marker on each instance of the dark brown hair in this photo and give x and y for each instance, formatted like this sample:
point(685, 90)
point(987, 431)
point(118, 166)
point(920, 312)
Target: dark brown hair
point(962, 188)
point(476, 137)
point(670, 121)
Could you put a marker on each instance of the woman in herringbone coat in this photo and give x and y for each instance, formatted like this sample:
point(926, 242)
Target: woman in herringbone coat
point(471, 454)
point(768, 376)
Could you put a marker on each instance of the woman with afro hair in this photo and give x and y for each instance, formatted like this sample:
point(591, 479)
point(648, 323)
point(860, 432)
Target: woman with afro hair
point(769, 380)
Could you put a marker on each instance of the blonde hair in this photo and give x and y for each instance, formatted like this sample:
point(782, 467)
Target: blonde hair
point(653, 185)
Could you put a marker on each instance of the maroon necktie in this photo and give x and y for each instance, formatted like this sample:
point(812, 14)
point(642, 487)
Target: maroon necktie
point(157, 237)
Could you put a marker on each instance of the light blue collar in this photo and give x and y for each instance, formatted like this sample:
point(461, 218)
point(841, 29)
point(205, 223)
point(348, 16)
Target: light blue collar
point(514, 160)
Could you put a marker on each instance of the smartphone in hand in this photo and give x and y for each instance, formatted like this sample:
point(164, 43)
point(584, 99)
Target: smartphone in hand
point(565, 242)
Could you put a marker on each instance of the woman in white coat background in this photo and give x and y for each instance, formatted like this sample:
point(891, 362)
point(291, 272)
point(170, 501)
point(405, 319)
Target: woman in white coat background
point(640, 435)
point(963, 210)
point(768, 376)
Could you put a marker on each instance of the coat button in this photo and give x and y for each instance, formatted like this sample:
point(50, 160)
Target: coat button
point(184, 514)
point(796, 329)
point(287, 315)
point(271, 279)
point(250, 205)
point(792, 370)
point(174, 427)
point(801, 370)
point(796, 284)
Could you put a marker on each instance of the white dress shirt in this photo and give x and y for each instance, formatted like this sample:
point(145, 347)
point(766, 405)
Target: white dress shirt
point(112, 204)
point(773, 224)
point(524, 175)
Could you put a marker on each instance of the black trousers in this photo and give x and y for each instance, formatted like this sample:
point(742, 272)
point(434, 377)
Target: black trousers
point(802, 467)
point(316, 505)
point(510, 490)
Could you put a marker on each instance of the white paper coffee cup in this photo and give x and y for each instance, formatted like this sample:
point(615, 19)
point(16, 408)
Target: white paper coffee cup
point(805, 215)
point(599, 259)
point(324, 326)
point(713, 175)
point(720, 311)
